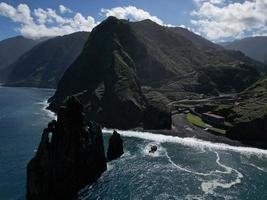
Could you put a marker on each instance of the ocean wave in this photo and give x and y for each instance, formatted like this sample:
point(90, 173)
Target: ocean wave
point(160, 150)
point(259, 168)
point(192, 142)
point(209, 186)
point(185, 169)
point(50, 114)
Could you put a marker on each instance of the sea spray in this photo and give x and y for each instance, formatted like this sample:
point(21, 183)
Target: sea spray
point(188, 141)
point(51, 115)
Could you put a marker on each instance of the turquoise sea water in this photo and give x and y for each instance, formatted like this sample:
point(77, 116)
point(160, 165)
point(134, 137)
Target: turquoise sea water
point(181, 168)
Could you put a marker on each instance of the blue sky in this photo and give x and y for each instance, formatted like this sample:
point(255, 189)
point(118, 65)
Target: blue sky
point(217, 20)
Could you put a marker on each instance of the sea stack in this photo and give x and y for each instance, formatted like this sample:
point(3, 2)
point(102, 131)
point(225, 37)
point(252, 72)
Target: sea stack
point(115, 147)
point(70, 156)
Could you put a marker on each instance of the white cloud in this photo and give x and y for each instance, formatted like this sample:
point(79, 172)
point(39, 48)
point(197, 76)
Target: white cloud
point(46, 22)
point(63, 9)
point(131, 12)
point(20, 14)
point(219, 21)
point(199, 2)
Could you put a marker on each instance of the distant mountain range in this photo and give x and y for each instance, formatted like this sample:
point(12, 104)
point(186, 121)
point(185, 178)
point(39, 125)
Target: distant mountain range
point(45, 63)
point(254, 47)
point(11, 49)
point(122, 58)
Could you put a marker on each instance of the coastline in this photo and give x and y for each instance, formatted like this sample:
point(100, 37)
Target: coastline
point(180, 129)
point(184, 131)
point(187, 141)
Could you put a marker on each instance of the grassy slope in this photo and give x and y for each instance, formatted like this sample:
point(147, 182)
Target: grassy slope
point(197, 121)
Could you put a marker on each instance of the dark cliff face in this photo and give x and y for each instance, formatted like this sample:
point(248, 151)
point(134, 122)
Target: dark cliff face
point(69, 157)
point(121, 57)
point(45, 64)
point(115, 147)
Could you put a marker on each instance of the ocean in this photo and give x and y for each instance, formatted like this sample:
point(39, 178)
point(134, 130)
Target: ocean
point(182, 168)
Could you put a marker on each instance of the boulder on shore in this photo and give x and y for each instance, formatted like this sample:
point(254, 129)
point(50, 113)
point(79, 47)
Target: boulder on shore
point(115, 147)
point(69, 157)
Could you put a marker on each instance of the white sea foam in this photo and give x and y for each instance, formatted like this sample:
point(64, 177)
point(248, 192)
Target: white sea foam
point(160, 150)
point(49, 113)
point(209, 186)
point(109, 166)
point(259, 168)
point(185, 169)
point(192, 142)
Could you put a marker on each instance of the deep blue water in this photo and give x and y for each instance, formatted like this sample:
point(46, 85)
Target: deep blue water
point(22, 118)
point(180, 169)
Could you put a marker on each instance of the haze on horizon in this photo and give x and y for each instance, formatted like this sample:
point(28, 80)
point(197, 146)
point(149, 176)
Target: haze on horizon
point(216, 20)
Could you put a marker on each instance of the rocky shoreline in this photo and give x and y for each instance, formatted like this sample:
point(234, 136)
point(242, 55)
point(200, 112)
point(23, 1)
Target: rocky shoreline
point(70, 156)
point(182, 128)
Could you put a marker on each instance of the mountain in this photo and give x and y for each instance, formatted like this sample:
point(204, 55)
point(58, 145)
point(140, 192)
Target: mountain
point(44, 65)
point(247, 114)
point(250, 115)
point(254, 47)
point(121, 58)
point(11, 49)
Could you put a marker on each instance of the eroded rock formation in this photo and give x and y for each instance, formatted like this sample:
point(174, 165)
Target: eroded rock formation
point(115, 147)
point(69, 157)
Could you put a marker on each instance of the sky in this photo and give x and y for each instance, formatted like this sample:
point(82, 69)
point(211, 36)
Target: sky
point(216, 20)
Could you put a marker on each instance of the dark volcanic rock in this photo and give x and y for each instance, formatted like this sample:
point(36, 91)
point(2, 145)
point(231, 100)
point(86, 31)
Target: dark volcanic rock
point(115, 147)
point(69, 157)
point(157, 114)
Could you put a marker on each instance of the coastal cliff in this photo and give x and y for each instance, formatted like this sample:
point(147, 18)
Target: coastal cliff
point(69, 157)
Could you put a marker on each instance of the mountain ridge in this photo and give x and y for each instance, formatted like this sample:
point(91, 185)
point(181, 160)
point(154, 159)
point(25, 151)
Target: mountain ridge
point(121, 57)
point(11, 49)
point(254, 47)
point(45, 63)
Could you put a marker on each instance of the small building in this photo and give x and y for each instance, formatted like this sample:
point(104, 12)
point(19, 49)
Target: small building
point(213, 118)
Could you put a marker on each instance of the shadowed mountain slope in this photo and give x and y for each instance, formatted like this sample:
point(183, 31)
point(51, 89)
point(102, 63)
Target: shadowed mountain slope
point(44, 65)
point(254, 47)
point(11, 49)
point(120, 57)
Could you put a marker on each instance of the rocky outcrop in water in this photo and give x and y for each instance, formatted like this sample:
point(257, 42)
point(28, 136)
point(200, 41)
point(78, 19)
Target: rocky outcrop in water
point(69, 157)
point(115, 147)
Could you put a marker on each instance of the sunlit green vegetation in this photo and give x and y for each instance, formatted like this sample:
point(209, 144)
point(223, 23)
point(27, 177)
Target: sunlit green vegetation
point(197, 121)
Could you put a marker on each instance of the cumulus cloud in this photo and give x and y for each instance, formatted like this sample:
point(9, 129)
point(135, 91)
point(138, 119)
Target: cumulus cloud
point(63, 9)
point(219, 20)
point(199, 2)
point(41, 22)
point(46, 22)
point(131, 12)
point(20, 14)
